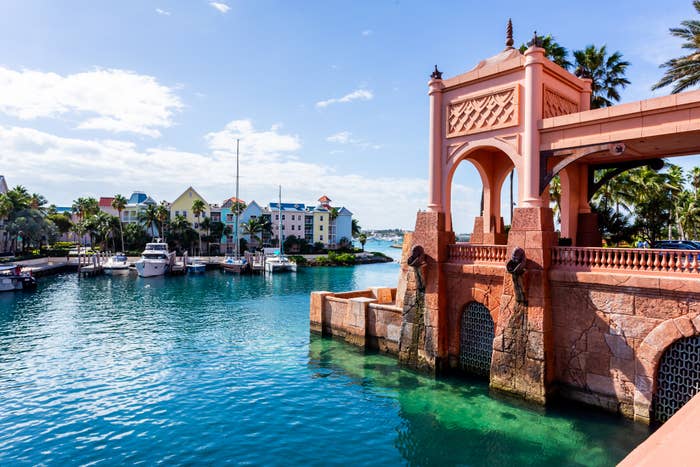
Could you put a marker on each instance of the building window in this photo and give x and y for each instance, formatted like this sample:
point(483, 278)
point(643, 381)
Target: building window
point(277, 217)
point(229, 217)
point(321, 217)
point(282, 216)
point(184, 213)
point(320, 237)
point(320, 228)
point(292, 216)
point(177, 213)
point(292, 227)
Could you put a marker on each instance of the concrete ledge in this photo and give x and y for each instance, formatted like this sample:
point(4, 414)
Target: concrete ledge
point(673, 443)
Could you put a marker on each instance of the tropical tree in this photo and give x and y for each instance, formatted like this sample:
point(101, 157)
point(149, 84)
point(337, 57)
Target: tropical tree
point(253, 227)
point(162, 215)
point(684, 72)
point(553, 51)
point(206, 225)
point(119, 203)
point(606, 72)
point(356, 229)
point(198, 208)
point(135, 236)
point(362, 238)
point(85, 207)
point(149, 217)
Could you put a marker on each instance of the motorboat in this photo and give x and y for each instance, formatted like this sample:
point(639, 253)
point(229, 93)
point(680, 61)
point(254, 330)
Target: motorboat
point(279, 263)
point(155, 260)
point(234, 264)
point(196, 266)
point(12, 278)
point(117, 264)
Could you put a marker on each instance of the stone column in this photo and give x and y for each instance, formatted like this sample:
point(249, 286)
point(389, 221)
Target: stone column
point(435, 201)
point(534, 57)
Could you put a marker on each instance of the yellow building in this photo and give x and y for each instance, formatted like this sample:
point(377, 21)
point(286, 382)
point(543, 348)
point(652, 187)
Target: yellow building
point(321, 225)
point(183, 206)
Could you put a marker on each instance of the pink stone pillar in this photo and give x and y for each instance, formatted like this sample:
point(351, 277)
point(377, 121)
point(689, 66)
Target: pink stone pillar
point(435, 201)
point(585, 103)
point(534, 57)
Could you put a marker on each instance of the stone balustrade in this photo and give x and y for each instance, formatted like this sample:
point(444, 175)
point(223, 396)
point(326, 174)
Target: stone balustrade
point(475, 253)
point(626, 259)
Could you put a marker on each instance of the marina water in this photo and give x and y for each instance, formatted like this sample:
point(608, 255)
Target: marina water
point(214, 368)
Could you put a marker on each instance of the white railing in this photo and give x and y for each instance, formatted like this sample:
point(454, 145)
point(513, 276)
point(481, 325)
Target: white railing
point(626, 259)
point(473, 253)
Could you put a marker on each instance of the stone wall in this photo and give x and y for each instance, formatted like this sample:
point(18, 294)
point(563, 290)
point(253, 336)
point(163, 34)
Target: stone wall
point(367, 318)
point(610, 331)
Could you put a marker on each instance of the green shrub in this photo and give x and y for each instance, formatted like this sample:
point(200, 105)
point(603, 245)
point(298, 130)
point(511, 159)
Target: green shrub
point(299, 260)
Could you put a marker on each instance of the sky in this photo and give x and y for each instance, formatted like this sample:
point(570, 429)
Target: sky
point(327, 97)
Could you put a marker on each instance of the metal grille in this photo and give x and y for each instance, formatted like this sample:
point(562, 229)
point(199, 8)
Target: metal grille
point(476, 339)
point(679, 377)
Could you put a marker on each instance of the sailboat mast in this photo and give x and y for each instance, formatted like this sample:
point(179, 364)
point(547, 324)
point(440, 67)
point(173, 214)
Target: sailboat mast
point(280, 235)
point(235, 204)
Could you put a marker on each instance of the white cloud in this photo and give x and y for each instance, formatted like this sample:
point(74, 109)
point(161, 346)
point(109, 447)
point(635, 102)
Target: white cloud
point(103, 99)
point(64, 168)
point(342, 137)
point(367, 32)
point(162, 12)
point(356, 95)
point(222, 7)
point(345, 137)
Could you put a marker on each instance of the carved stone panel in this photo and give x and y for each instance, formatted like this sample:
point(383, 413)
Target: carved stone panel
point(484, 112)
point(554, 104)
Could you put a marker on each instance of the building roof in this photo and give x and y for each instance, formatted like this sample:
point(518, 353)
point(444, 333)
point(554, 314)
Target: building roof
point(137, 197)
point(296, 207)
point(343, 211)
point(3, 184)
point(324, 199)
point(62, 209)
point(105, 202)
point(229, 202)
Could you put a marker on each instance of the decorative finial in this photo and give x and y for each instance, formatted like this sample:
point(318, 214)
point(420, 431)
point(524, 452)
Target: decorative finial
point(509, 34)
point(536, 41)
point(437, 74)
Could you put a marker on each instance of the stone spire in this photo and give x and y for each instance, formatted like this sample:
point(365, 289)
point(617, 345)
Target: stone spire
point(437, 74)
point(509, 35)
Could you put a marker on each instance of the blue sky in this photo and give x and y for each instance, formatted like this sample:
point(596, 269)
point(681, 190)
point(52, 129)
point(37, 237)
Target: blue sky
point(329, 97)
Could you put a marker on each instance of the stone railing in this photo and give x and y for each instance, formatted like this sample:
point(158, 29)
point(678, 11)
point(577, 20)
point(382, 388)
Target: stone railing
point(474, 253)
point(626, 259)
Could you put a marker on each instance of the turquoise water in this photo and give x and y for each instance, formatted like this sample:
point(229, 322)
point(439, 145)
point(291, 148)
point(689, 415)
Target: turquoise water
point(218, 369)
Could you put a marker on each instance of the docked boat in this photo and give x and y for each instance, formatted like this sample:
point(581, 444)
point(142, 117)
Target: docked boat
point(155, 260)
point(235, 264)
point(117, 264)
point(196, 266)
point(12, 278)
point(278, 262)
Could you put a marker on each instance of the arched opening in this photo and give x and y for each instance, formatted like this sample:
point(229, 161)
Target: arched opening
point(678, 378)
point(469, 204)
point(476, 339)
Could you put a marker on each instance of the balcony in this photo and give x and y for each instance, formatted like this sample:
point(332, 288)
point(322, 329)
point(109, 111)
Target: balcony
point(473, 253)
point(637, 260)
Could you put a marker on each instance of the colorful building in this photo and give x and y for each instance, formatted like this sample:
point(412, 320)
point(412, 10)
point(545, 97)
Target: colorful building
point(182, 206)
point(4, 244)
point(138, 202)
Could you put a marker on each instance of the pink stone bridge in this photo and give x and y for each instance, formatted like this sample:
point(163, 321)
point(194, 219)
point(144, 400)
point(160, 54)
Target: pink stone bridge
point(616, 328)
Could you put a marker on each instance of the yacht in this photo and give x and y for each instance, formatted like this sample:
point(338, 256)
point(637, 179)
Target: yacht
point(235, 264)
point(117, 264)
point(155, 260)
point(12, 278)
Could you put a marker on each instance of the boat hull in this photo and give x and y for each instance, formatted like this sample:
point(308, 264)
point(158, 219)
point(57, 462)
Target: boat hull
point(146, 268)
point(196, 268)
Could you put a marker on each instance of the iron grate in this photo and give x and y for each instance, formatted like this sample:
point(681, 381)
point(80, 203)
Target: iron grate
point(476, 339)
point(678, 379)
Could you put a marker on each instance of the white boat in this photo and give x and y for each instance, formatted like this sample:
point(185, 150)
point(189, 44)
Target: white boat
point(278, 262)
point(12, 278)
point(235, 264)
point(155, 260)
point(117, 264)
point(196, 266)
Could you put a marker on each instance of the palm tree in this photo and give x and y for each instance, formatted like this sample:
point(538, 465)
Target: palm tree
point(555, 197)
point(198, 208)
point(553, 51)
point(149, 217)
point(206, 225)
point(253, 227)
point(356, 229)
point(37, 201)
point(162, 214)
point(362, 238)
point(119, 203)
point(675, 179)
point(607, 74)
point(6, 208)
point(684, 72)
